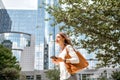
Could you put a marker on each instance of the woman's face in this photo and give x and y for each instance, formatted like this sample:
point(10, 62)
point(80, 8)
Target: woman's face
point(59, 39)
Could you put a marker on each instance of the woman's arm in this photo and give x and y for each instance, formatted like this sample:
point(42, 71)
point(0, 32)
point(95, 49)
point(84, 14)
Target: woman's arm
point(57, 60)
point(74, 58)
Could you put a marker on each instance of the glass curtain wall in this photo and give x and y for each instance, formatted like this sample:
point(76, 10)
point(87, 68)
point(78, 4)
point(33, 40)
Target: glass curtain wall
point(19, 42)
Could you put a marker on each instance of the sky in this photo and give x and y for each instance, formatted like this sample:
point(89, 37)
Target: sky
point(20, 4)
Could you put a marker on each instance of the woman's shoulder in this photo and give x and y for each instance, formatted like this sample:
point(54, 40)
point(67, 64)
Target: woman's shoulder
point(68, 46)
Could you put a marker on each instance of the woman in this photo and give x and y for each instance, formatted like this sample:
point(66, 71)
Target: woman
point(65, 46)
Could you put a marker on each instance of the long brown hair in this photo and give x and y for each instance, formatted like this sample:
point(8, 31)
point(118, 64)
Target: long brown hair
point(67, 39)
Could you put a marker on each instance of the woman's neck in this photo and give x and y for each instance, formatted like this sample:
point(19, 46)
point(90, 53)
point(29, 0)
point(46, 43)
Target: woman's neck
point(62, 46)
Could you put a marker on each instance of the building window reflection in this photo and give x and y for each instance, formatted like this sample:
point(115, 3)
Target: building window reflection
point(18, 42)
point(17, 54)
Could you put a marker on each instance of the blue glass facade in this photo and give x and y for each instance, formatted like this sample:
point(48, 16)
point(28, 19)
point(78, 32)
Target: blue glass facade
point(23, 20)
point(43, 32)
point(19, 41)
point(40, 37)
point(50, 32)
point(32, 22)
point(23, 26)
point(5, 21)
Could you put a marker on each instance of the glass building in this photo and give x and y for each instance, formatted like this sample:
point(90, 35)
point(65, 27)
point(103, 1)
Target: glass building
point(28, 24)
point(19, 42)
point(5, 21)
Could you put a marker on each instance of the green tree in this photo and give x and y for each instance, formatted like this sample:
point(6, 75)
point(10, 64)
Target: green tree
point(22, 76)
point(116, 75)
point(97, 21)
point(103, 76)
point(52, 74)
point(9, 67)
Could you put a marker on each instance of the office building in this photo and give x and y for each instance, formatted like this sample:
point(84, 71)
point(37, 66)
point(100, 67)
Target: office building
point(5, 21)
point(29, 37)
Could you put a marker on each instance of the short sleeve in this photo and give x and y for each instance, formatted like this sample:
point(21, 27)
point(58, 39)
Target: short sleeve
point(74, 58)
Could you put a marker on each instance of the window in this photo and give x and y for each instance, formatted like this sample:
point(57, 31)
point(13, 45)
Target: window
point(38, 77)
point(30, 77)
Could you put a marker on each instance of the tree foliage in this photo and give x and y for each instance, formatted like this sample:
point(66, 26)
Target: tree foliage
point(22, 76)
point(103, 76)
point(116, 75)
point(52, 74)
point(97, 21)
point(9, 67)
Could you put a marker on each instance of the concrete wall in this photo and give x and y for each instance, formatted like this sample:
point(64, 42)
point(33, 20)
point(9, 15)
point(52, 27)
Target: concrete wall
point(27, 57)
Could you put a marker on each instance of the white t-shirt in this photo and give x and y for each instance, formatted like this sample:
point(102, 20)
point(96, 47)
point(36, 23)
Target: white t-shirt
point(64, 74)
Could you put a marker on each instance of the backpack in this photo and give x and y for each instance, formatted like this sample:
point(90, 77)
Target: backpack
point(74, 68)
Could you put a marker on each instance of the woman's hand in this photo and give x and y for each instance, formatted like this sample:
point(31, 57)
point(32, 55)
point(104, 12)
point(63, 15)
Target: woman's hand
point(54, 61)
point(57, 60)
